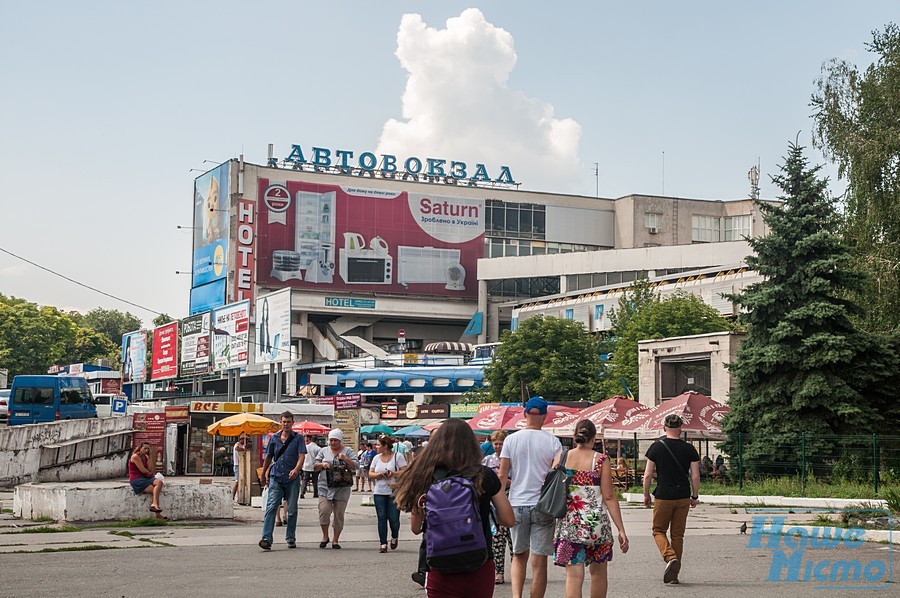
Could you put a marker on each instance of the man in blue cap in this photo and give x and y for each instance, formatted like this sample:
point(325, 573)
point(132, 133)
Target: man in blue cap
point(525, 459)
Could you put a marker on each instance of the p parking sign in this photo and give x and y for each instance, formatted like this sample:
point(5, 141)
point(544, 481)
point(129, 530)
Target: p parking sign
point(119, 406)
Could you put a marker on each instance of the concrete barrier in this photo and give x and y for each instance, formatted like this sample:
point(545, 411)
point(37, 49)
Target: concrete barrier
point(774, 501)
point(113, 500)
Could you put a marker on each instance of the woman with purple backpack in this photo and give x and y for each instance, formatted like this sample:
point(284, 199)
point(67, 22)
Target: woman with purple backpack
point(445, 480)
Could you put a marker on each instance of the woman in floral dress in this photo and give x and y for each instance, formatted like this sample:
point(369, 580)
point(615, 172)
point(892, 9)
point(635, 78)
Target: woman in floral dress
point(584, 534)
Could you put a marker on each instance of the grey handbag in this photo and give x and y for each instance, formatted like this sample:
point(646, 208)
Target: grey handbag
point(555, 490)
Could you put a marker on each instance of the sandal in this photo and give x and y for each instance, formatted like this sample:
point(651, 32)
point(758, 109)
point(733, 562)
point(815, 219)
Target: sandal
point(155, 509)
point(498, 579)
point(323, 544)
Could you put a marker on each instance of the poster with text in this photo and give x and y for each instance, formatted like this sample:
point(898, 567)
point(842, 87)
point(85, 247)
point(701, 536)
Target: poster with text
point(195, 341)
point(331, 237)
point(230, 332)
point(211, 212)
point(164, 356)
point(134, 357)
point(273, 328)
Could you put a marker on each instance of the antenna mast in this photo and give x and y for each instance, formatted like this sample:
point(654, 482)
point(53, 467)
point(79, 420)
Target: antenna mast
point(753, 177)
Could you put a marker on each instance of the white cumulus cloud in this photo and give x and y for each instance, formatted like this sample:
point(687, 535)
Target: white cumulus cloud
point(457, 106)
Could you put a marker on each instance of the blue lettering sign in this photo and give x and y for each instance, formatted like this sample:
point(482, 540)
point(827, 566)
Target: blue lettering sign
point(321, 156)
point(367, 161)
point(343, 156)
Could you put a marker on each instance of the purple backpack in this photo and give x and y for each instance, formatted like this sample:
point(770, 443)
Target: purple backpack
point(454, 534)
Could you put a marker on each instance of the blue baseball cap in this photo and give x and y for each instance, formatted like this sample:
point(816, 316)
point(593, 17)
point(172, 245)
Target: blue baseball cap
point(537, 403)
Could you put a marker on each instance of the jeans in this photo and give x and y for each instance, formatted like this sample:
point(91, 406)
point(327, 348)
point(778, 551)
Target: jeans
point(280, 490)
point(387, 512)
point(670, 515)
point(307, 476)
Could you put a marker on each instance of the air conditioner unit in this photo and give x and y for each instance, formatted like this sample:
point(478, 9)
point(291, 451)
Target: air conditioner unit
point(652, 230)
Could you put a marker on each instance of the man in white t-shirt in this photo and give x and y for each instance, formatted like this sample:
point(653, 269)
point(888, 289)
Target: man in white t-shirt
point(309, 472)
point(525, 459)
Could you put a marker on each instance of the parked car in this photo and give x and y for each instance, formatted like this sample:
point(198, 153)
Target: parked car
point(104, 403)
point(4, 406)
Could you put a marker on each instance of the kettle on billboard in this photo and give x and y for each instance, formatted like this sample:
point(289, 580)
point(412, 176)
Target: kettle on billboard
point(354, 242)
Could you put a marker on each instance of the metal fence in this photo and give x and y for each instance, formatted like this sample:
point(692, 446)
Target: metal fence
point(861, 459)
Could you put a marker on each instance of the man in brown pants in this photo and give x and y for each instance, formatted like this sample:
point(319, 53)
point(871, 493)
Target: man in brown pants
point(677, 467)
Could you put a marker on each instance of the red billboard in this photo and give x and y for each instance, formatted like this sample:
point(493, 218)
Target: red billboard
point(165, 352)
point(331, 237)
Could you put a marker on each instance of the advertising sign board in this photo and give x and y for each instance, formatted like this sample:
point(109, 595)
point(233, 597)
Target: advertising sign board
point(211, 212)
point(164, 355)
point(195, 339)
point(134, 357)
point(273, 327)
point(151, 427)
point(342, 238)
point(230, 332)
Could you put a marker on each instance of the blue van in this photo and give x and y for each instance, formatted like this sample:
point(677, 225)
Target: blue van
point(39, 399)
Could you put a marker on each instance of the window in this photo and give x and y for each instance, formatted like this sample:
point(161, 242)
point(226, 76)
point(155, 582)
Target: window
point(737, 227)
point(653, 221)
point(570, 315)
point(705, 229)
point(34, 395)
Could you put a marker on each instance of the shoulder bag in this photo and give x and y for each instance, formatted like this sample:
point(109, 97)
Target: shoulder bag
point(555, 490)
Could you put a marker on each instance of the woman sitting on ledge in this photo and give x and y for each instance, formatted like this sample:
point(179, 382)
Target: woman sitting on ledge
point(142, 478)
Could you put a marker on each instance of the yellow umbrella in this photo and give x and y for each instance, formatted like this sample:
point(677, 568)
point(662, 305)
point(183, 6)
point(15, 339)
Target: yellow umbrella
point(243, 423)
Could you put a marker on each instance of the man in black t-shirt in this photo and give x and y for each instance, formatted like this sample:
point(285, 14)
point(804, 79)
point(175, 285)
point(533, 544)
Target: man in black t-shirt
point(677, 467)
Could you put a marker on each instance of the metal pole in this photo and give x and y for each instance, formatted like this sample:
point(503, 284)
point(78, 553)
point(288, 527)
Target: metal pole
point(803, 462)
point(635, 455)
point(278, 383)
point(237, 383)
point(230, 391)
point(875, 461)
point(741, 460)
point(270, 397)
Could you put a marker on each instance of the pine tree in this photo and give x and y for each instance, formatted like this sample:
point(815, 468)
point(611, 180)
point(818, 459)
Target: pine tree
point(804, 367)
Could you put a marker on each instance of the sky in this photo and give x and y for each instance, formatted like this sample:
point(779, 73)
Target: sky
point(109, 110)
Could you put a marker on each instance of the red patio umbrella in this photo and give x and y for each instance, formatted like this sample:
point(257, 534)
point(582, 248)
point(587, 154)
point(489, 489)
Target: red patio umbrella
point(604, 414)
point(555, 414)
point(701, 415)
point(308, 427)
point(495, 418)
point(434, 425)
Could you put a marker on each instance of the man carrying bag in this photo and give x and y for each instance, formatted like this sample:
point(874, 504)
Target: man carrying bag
point(281, 473)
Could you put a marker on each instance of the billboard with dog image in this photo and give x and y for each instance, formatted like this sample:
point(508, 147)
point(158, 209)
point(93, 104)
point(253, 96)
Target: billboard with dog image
point(211, 211)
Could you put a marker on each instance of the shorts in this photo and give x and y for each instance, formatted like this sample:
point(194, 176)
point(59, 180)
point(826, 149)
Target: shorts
point(141, 484)
point(533, 531)
point(329, 507)
point(236, 470)
point(364, 473)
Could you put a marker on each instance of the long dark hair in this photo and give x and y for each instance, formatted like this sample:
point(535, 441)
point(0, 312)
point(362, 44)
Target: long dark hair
point(452, 447)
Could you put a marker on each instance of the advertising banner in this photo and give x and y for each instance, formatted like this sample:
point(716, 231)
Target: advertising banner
point(151, 427)
point(231, 331)
point(164, 357)
point(211, 212)
point(329, 237)
point(134, 357)
point(208, 296)
point(273, 328)
point(110, 386)
point(195, 340)
point(340, 402)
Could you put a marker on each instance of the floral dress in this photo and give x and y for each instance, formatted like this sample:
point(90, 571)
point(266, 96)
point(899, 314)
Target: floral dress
point(584, 534)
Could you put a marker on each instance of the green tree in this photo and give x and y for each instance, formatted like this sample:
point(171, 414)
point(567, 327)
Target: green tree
point(162, 319)
point(111, 323)
point(857, 118)
point(804, 367)
point(643, 315)
point(33, 338)
point(550, 357)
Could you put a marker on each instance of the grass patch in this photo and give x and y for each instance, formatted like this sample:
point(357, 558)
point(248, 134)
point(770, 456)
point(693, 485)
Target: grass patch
point(123, 533)
point(43, 519)
point(791, 486)
point(156, 542)
point(7, 511)
point(46, 529)
point(76, 549)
